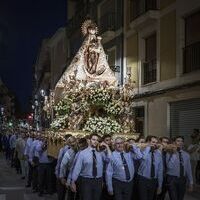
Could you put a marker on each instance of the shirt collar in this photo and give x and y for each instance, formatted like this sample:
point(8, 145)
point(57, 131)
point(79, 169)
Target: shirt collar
point(90, 148)
point(119, 152)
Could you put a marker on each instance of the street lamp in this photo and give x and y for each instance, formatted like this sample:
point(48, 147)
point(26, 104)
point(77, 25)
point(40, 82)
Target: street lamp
point(41, 115)
point(1, 116)
point(36, 114)
point(42, 93)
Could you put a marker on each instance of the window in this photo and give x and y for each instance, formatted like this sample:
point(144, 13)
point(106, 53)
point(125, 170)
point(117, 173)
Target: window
point(149, 65)
point(139, 7)
point(111, 57)
point(139, 119)
point(107, 16)
point(191, 51)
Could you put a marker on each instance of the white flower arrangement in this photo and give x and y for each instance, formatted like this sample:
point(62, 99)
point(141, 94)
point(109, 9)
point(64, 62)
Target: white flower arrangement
point(113, 108)
point(63, 106)
point(84, 106)
point(102, 125)
point(99, 96)
point(59, 123)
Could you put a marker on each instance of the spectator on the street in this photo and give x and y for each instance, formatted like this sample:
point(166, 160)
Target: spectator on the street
point(194, 153)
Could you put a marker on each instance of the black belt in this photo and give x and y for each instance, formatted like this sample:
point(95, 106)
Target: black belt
point(176, 176)
point(100, 178)
point(122, 181)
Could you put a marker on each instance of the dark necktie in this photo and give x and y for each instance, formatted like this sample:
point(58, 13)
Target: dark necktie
point(94, 165)
point(75, 160)
point(152, 165)
point(181, 164)
point(125, 167)
point(164, 153)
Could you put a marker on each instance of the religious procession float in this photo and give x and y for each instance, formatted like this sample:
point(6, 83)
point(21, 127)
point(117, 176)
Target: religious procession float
point(87, 98)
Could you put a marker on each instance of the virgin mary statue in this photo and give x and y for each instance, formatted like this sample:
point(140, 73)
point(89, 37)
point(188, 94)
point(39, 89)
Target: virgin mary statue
point(90, 63)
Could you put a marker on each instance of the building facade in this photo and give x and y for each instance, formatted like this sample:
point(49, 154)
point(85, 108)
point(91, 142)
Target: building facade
point(162, 48)
point(7, 104)
point(49, 66)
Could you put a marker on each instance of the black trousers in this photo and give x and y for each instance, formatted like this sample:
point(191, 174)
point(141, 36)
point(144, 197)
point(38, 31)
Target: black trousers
point(61, 190)
point(78, 188)
point(72, 195)
point(17, 163)
point(163, 193)
point(135, 194)
point(45, 178)
point(176, 187)
point(8, 153)
point(197, 174)
point(147, 188)
point(35, 177)
point(30, 173)
point(91, 188)
point(54, 179)
point(105, 195)
point(12, 157)
point(122, 190)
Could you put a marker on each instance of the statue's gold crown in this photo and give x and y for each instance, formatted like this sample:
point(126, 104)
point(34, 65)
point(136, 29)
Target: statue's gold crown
point(88, 24)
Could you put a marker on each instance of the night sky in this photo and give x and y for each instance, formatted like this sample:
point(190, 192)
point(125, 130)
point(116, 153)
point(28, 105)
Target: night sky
point(27, 22)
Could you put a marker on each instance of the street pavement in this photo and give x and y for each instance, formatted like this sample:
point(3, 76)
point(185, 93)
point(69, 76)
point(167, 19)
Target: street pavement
point(12, 187)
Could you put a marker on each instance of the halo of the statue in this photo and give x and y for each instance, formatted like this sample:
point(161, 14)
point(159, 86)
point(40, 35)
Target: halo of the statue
point(88, 24)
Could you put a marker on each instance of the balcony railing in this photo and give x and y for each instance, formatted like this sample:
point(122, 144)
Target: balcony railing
point(139, 7)
point(107, 22)
point(149, 69)
point(191, 57)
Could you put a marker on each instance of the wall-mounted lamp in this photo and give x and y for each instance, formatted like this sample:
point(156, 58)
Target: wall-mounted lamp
point(42, 92)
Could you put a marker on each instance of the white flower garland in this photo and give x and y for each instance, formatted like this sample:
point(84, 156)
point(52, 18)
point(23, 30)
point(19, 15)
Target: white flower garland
point(102, 125)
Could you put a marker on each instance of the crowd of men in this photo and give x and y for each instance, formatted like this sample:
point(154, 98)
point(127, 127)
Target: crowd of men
point(101, 168)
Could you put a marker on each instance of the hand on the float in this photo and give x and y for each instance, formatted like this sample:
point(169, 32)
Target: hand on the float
point(107, 148)
point(26, 157)
point(111, 193)
point(73, 187)
point(142, 146)
point(160, 147)
point(63, 181)
point(190, 188)
point(159, 190)
point(67, 184)
point(104, 144)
